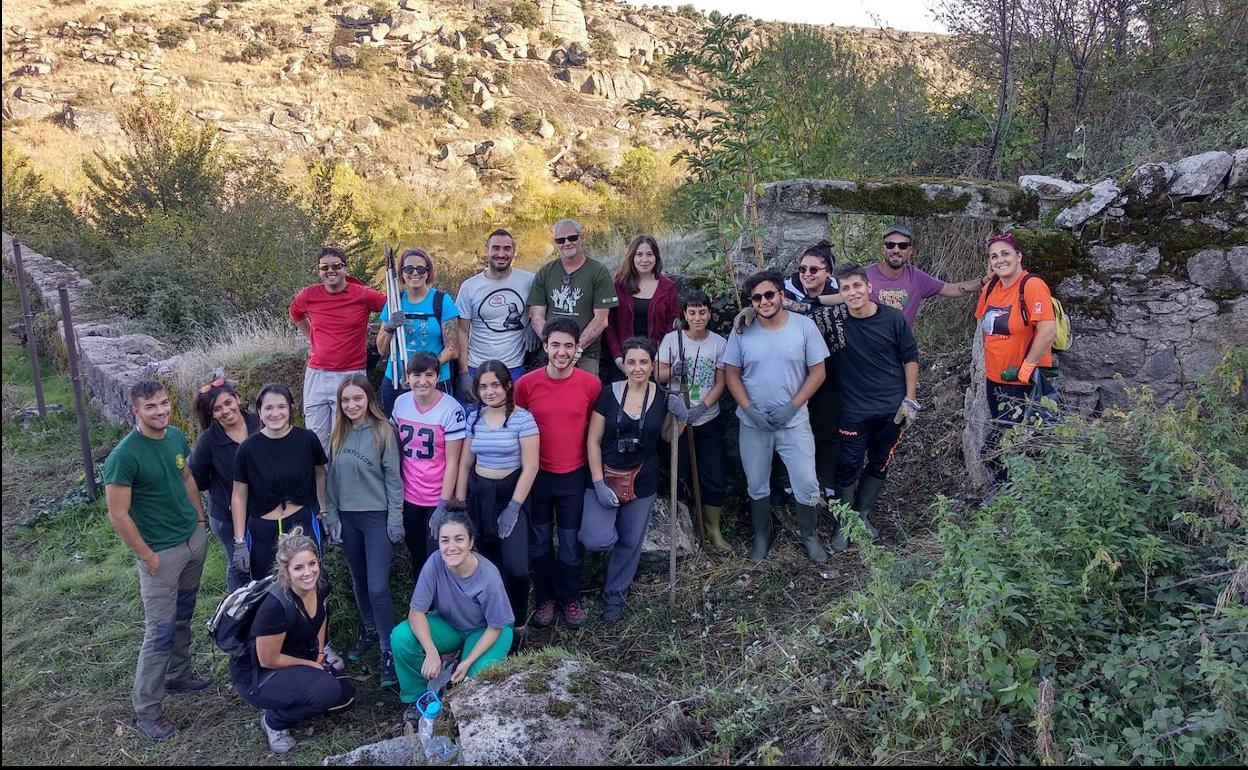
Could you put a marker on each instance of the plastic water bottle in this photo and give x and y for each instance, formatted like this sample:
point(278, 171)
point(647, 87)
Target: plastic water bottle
point(438, 748)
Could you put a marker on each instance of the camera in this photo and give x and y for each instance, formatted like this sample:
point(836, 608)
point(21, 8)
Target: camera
point(627, 445)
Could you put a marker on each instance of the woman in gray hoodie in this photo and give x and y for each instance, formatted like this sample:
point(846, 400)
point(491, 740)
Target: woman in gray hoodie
point(364, 510)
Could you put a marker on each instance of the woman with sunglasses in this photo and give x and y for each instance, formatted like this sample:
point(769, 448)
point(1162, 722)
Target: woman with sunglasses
point(431, 320)
point(648, 301)
point(225, 423)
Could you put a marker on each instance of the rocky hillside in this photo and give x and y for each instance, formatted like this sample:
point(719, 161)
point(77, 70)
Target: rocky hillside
point(434, 93)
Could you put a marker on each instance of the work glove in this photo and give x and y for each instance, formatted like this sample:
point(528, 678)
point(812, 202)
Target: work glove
point(507, 519)
point(394, 527)
point(678, 369)
point(392, 324)
point(606, 496)
point(1018, 373)
point(332, 523)
point(676, 405)
point(435, 518)
point(758, 419)
point(241, 560)
point(780, 416)
point(744, 319)
point(696, 412)
point(907, 413)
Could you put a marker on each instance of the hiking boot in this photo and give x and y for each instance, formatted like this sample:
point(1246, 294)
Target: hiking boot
point(573, 616)
point(389, 677)
point(334, 660)
point(864, 501)
point(412, 714)
point(159, 729)
point(544, 615)
point(613, 613)
point(280, 741)
point(192, 683)
point(711, 515)
point(363, 643)
point(807, 518)
point(760, 517)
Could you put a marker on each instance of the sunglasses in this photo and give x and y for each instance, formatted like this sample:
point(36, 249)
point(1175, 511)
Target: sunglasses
point(810, 269)
point(217, 383)
point(898, 245)
point(568, 239)
point(417, 269)
point(765, 295)
point(335, 267)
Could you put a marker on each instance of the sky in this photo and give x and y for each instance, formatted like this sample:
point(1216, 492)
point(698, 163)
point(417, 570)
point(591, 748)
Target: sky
point(910, 15)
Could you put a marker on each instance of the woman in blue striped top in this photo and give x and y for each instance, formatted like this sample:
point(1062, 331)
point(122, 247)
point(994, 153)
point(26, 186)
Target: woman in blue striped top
point(496, 472)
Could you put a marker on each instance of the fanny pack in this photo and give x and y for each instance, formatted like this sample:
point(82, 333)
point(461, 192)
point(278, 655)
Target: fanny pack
point(622, 482)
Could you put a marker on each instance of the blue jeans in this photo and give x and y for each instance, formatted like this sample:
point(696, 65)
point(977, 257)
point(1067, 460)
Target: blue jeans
point(368, 551)
point(224, 530)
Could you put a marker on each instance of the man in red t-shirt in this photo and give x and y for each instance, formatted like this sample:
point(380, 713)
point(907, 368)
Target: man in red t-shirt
point(561, 397)
point(333, 315)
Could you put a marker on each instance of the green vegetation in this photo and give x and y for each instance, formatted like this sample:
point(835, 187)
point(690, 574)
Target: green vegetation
point(527, 121)
point(601, 44)
point(494, 117)
point(526, 14)
point(401, 113)
point(255, 51)
point(173, 35)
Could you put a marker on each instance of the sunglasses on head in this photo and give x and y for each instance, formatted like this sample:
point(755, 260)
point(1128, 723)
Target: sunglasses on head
point(809, 269)
point(568, 239)
point(898, 245)
point(217, 383)
point(417, 269)
point(336, 266)
point(763, 295)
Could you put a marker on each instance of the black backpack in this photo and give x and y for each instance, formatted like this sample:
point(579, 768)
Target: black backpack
point(230, 625)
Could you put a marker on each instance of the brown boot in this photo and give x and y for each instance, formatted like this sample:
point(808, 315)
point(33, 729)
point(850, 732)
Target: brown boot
point(711, 515)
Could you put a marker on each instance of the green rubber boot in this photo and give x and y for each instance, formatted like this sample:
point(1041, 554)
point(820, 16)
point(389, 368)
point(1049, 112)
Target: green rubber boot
point(868, 490)
point(711, 515)
point(845, 495)
point(807, 520)
point(760, 517)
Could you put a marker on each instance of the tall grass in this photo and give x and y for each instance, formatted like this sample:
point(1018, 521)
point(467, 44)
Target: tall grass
point(239, 342)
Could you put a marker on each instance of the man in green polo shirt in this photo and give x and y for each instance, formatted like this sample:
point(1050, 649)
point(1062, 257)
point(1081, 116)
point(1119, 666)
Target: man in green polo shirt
point(154, 504)
point(574, 286)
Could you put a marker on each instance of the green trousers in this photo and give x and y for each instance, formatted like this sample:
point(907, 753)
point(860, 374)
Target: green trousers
point(409, 655)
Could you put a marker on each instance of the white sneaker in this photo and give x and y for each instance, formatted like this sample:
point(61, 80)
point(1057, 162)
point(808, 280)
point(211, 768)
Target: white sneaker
point(280, 741)
point(334, 660)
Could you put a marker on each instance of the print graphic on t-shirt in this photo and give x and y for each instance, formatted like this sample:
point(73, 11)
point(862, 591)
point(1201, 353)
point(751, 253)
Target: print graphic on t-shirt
point(566, 298)
point(895, 298)
point(996, 320)
point(425, 441)
point(500, 310)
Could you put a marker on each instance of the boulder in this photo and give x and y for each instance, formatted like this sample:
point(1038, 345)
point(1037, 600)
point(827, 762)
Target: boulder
point(615, 85)
point(1050, 188)
point(392, 752)
point(542, 712)
point(86, 120)
point(356, 16)
point(1096, 199)
point(20, 109)
point(1220, 270)
point(343, 56)
point(378, 32)
point(365, 126)
point(1199, 175)
point(577, 55)
point(497, 48)
point(406, 25)
point(656, 545)
point(1149, 182)
point(545, 129)
point(1239, 170)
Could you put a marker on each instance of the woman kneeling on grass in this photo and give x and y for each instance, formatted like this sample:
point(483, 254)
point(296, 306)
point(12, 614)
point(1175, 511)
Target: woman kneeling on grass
point(459, 605)
point(288, 677)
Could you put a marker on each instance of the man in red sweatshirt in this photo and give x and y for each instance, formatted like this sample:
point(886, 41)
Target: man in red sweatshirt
point(333, 315)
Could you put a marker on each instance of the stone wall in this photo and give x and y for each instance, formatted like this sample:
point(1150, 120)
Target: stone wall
point(111, 359)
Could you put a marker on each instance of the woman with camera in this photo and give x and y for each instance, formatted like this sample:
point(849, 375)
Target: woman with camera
point(623, 448)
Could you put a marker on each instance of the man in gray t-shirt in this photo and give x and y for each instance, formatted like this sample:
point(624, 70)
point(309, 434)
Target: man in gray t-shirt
point(494, 304)
point(772, 368)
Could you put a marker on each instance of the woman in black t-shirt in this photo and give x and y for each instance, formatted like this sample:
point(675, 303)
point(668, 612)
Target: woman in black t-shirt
point(279, 483)
point(623, 447)
point(288, 677)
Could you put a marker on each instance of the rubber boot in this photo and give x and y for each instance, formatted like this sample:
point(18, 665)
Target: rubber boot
point(845, 495)
point(864, 502)
point(711, 515)
point(807, 518)
point(760, 517)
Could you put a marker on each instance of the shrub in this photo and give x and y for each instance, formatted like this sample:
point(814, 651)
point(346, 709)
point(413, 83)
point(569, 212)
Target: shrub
point(638, 171)
point(400, 113)
point(526, 14)
point(527, 121)
point(444, 62)
point(472, 33)
point(369, 58)
point(495, 14)
point(172, 35)
point(689, 11)
point(379, 9)
point(601, 44)
point(495, 117)
point(502, 77)
point(255, 51)
point(457, 95)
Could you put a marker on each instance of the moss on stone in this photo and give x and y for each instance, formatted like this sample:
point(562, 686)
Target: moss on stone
point(907, 198)
point(1052, 253)
point(536, 684)
point(559, 708)
point(1023, 206)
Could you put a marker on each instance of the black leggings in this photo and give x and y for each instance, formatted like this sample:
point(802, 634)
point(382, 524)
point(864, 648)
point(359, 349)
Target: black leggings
point(416, 535)
point(486, 500)
point(295, 693)
point(1005, 407)
point(262, 535)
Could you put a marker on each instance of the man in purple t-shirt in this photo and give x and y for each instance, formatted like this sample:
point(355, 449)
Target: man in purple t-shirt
point(897, 283)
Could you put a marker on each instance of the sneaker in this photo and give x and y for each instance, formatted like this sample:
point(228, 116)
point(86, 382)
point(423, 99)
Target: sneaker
point(389, 677)
point(192, 683)
point(574, 616)
point(613, 613)
point(363, 643)
point(280, 741)
point(334, 660)
point(412, 714)
point(159, 729)
point(544, 615)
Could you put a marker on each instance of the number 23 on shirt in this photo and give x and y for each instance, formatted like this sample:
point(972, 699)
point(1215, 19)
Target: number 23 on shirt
point(423, 436)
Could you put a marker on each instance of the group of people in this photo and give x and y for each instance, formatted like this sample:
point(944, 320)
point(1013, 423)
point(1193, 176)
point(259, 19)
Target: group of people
point(496, 480)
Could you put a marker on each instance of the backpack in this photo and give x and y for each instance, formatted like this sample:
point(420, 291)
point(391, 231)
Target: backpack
point(230, 626)
point(438, 298)
point(1064, 338)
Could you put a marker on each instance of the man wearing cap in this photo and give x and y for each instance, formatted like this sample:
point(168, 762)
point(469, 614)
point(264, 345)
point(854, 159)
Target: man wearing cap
point(897, 283)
